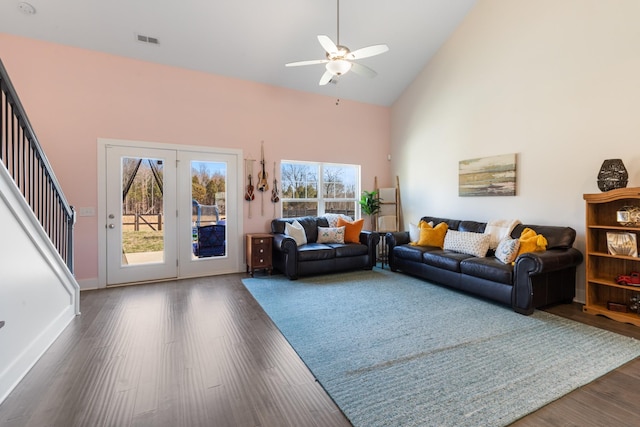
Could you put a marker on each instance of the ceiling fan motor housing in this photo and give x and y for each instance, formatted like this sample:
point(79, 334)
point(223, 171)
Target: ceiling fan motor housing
point(339, 59)
point(339, 54)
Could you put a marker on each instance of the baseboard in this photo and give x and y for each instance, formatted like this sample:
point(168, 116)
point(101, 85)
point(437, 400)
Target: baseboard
point(23, 362)
point(89, 284)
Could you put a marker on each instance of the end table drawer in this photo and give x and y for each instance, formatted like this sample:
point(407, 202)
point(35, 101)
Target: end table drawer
point(261, 261)
point(262, 247)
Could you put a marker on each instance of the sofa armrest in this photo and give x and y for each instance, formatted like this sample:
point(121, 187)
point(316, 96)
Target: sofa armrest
point(532, 263)
point(369, 238)
point(397, 238)
point(284, 243)
point(393, 239)
point(285, 255)
point(556, 268)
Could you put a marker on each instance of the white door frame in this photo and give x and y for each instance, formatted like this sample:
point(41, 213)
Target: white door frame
point(237, 246)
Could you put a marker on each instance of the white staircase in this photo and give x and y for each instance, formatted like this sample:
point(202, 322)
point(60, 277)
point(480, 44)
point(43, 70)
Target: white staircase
point(38, 294)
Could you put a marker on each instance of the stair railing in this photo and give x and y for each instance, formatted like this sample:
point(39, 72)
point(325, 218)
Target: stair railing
point(24, 159)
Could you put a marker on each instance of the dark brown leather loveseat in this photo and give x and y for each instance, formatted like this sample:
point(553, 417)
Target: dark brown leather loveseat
point(319, 258)
point(536, 279)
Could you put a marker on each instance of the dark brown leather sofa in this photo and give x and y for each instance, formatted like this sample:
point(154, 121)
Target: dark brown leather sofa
point(535, 280)
point(319, 258)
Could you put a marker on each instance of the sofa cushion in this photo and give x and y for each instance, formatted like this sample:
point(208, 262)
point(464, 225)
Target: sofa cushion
point(351, 229)
point(507, 250)
point(331, 234)
point(296, 232)
point(472, 226)
point(309, 223)
point(411, 253)
point(432, 236)
point(499, 229)
point(332, 218)
point(349, 249)
point(315, 252)
point(530, 241)
point(414, 233)
point(557, 237)
point(488, 268)
point(451, 223)
point(448, 260)
point(467, 242)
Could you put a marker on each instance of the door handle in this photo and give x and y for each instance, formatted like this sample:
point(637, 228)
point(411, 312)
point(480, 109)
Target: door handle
point(112, 226)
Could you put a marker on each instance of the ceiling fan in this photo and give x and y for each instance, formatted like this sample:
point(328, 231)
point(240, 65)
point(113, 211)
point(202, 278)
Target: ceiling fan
point(339, 59)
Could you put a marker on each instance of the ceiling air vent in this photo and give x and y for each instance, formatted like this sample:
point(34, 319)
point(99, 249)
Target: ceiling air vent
point(147, 39)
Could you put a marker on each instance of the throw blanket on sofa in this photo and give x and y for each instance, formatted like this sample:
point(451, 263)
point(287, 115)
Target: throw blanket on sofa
point(498, 229)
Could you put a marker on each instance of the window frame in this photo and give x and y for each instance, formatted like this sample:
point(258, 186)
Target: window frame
point(320, 199)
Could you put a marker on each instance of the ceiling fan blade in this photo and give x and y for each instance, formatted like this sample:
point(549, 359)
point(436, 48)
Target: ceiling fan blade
point(328, 44)
point(366, 52)
point(326, 78)
point(362, 70)
point(311, 62)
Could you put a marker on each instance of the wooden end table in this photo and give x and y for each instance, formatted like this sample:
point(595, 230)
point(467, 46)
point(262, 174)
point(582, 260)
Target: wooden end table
point(259, 249)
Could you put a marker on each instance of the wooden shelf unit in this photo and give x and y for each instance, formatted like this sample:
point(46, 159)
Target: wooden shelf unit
point(602, 268)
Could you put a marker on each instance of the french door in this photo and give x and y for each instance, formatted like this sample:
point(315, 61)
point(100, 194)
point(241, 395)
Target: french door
point(208, 200)
point(170, 213)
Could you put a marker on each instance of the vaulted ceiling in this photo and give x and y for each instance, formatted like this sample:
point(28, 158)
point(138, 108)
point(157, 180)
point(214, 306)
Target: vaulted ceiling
point(252, 39)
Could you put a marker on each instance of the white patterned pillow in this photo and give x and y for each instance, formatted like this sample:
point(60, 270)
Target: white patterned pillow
point(467, 242)
point(332, 218)
point(296, 231)
point(331, 234)
point(507, 250)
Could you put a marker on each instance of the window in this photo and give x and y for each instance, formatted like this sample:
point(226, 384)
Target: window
point(318, 188)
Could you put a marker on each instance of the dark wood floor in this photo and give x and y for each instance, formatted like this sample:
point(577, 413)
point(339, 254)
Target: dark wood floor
point(201, 352)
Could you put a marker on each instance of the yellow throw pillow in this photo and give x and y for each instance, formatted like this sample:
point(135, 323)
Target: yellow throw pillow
point(432, 236)
point(531, 242)
point(351, 229)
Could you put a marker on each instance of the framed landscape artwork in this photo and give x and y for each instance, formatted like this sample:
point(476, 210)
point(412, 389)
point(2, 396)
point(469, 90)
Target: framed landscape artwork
point(487, 176)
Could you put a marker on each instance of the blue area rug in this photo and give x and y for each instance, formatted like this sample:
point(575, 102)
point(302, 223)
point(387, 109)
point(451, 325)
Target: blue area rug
point(392, 350)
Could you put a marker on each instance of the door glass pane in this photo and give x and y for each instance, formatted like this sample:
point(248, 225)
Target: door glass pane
point(209, 212)
point(142, 211)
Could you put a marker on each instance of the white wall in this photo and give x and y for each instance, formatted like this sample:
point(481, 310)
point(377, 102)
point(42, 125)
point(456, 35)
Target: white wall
point(555, 81)
point(38, 296)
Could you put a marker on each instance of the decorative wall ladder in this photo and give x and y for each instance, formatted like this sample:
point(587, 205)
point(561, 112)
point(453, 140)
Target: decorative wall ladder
point(388, 218)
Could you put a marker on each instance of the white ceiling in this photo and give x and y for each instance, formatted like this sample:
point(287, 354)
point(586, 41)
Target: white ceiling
point(253, 39)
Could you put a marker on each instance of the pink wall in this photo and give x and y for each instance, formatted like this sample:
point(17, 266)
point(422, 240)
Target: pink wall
point(75, 96)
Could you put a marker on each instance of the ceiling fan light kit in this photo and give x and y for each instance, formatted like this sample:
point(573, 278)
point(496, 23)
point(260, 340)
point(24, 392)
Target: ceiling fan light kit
point(338, 67)
point(339, 59)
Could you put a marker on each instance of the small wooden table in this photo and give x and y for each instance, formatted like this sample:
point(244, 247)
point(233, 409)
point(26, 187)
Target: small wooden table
point(259, 249)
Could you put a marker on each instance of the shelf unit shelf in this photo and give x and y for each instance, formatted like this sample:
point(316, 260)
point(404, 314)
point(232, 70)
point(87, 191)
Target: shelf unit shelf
point(602, 267)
